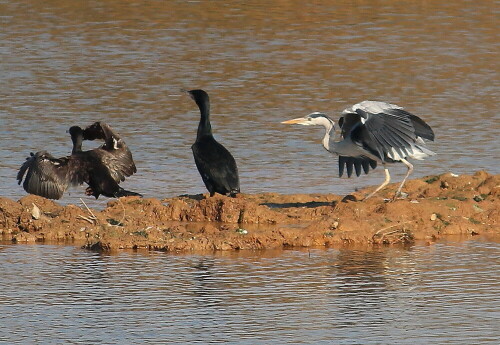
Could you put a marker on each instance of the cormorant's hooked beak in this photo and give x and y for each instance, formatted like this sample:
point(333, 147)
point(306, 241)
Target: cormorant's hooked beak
point(187, 92)
point(298, 121)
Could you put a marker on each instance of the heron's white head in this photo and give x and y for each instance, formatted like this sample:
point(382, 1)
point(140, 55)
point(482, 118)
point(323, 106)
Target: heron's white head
point(316, 119)
point(313, 119)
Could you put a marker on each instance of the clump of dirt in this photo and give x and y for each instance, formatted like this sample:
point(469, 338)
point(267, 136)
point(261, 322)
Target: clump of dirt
point(433, 207)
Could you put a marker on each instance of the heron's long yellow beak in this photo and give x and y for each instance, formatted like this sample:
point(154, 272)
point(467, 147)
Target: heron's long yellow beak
point(299, 120)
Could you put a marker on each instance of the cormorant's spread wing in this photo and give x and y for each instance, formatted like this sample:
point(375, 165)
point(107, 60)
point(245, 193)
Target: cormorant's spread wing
point(101, 130)
point(114, 153)
point(119, 162)
point(94, 131)
point(48, 176)
point(42, 176)
point(26, 165)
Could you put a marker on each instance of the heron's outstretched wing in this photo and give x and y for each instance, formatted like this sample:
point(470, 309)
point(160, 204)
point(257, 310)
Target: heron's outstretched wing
point(384, 128)
point(114, 153)
point(422, 129)
point(50, 177)
point(348, 122)
point(355, 163)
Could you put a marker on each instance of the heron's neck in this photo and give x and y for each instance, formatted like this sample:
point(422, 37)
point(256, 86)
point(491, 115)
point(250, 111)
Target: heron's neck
point(204, 127)
point(329, 128)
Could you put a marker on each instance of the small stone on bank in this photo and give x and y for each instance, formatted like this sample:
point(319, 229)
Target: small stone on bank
point(35, 212)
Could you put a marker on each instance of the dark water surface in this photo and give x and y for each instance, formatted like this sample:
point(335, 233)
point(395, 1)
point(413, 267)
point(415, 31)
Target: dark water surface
point(441, 294)
point(64, 63)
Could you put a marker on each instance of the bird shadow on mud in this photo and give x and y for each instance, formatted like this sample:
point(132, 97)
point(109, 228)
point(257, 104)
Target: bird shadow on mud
point(275, 205)
point(310, 204)
point(197, 197)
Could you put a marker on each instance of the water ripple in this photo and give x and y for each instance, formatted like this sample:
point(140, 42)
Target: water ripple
point(446, 293)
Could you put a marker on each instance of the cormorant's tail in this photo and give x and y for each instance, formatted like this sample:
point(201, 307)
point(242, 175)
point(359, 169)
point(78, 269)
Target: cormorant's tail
point(123, 192)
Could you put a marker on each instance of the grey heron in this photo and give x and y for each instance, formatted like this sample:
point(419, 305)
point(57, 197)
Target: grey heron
point(372, 133)
point(215, 163)
point(101, 168)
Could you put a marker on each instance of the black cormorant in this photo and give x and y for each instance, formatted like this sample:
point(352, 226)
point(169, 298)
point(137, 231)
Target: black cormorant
point(215, 163)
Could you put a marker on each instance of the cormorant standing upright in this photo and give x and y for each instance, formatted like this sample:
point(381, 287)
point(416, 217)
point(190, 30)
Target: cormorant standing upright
point(215, 163)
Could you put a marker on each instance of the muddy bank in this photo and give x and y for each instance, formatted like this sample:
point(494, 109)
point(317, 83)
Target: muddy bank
point(434, 207)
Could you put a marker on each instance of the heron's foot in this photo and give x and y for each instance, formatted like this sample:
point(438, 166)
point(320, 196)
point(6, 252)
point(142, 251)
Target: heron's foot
point(399, 195)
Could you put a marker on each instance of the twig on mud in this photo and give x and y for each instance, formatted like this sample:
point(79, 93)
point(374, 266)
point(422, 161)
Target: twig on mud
point(92, 218)
point(88, 219)
point(392, 226)
point(378, 233)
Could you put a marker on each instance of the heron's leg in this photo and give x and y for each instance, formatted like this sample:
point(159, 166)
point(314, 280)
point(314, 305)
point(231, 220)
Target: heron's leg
point(410, 170)
point(385, 183)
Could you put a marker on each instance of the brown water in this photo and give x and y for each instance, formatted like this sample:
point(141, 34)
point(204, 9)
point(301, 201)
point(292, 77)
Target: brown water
point(124, 62)
point(441, 294)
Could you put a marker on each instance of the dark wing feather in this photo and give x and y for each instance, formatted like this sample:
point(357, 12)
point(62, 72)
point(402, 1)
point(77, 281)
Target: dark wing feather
point(114, 152)
point(360, 136)
point(26, 165)
point(103, 131)
point(50, 177)
point(366, 165)
point(422, 129)
point(119, 162)
point(342, 161)
point(348, 166)
point(390, 129)
point(383, 131)
point(216, 165)
point(348, 122)
point(355, 164)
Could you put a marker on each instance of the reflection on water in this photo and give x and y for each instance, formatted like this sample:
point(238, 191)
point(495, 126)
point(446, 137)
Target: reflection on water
point(445, 293)
point(65, 63)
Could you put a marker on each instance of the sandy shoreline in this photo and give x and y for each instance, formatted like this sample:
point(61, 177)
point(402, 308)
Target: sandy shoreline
point(436, 206)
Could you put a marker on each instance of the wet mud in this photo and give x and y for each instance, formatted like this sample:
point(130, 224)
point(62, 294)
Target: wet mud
point(434, 207)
